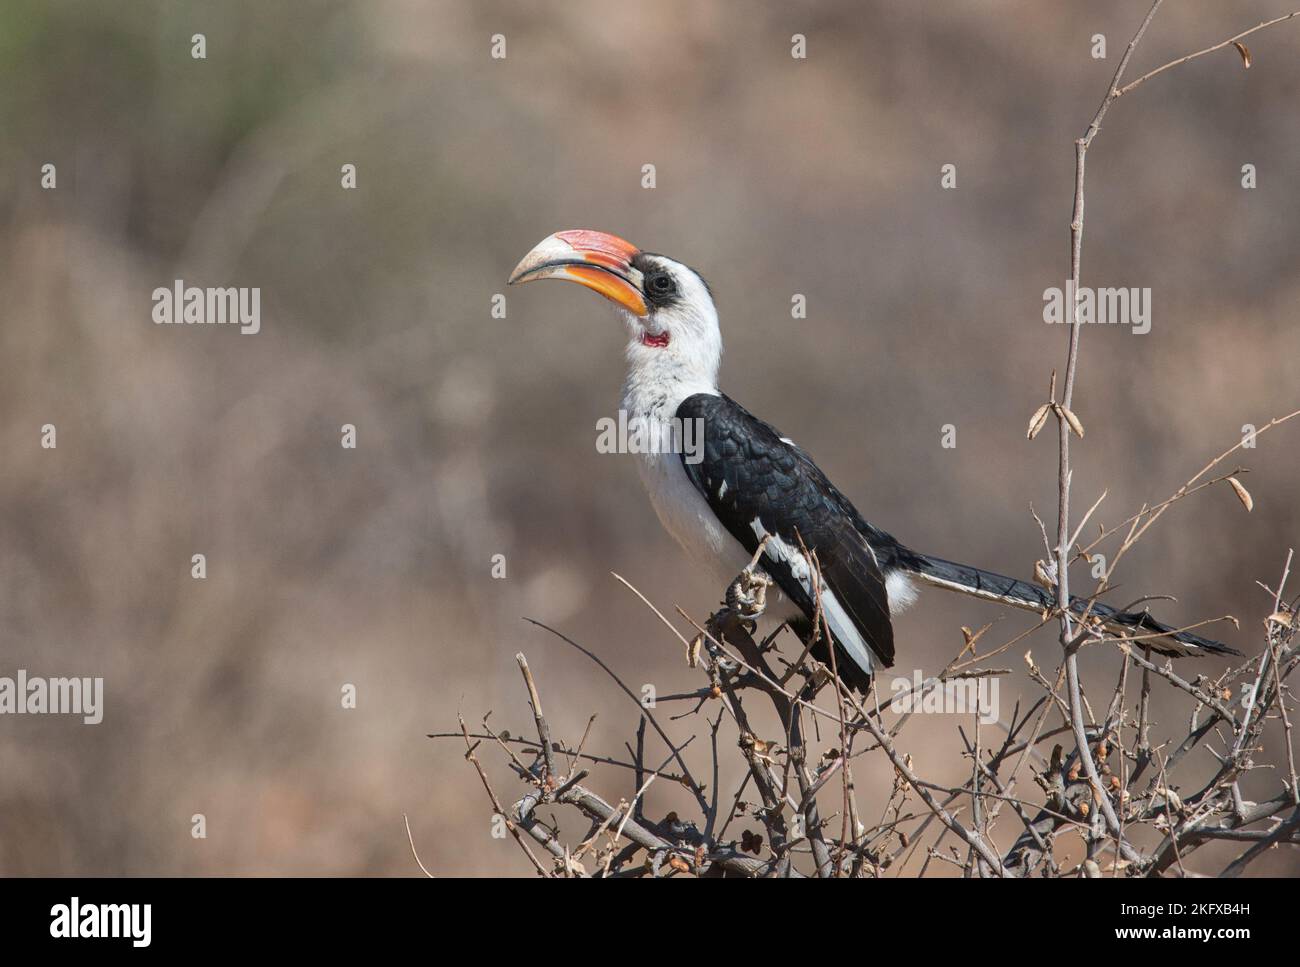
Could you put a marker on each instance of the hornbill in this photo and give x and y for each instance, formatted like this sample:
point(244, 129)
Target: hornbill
point(748, 482)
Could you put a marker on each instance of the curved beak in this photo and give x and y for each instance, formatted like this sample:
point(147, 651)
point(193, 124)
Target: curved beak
point(598, 260)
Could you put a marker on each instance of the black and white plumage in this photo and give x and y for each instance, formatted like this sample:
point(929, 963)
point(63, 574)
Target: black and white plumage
point(759, 486)
point(748, 482)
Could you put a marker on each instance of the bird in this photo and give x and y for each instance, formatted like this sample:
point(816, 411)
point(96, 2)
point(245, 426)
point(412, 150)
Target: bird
point(744, 485)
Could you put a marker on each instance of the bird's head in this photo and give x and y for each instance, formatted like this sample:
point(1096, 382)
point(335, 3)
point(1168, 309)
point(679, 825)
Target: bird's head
point(667, 305)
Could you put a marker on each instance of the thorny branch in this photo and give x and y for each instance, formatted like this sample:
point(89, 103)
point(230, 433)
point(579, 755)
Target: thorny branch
point(792, 771)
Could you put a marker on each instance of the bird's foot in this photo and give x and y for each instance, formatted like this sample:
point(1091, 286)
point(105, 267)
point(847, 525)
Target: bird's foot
point(747, 594)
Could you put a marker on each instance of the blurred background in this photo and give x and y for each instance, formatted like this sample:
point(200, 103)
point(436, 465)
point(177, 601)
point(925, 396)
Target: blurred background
point(328, 566)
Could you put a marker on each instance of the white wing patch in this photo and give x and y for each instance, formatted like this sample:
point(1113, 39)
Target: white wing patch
point(841, 625)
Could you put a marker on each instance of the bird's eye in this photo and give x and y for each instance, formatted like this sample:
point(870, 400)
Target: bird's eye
point(661, 283)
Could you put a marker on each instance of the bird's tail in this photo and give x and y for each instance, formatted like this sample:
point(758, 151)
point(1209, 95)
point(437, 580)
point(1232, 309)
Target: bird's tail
point(1030, 597)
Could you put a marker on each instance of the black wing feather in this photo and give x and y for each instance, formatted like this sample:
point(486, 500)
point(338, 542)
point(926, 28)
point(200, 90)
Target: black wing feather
point(776, 482)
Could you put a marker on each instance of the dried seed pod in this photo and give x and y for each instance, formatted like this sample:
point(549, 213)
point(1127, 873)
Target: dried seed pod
point(1073, 420)
point(1242, 494)
point(1244, 51)
point(1040, 575)
point(693, 651)
point(1037, 421)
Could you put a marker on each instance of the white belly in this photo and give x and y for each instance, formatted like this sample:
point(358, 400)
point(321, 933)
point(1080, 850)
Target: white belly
point(686, 515)
point(689, 519)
